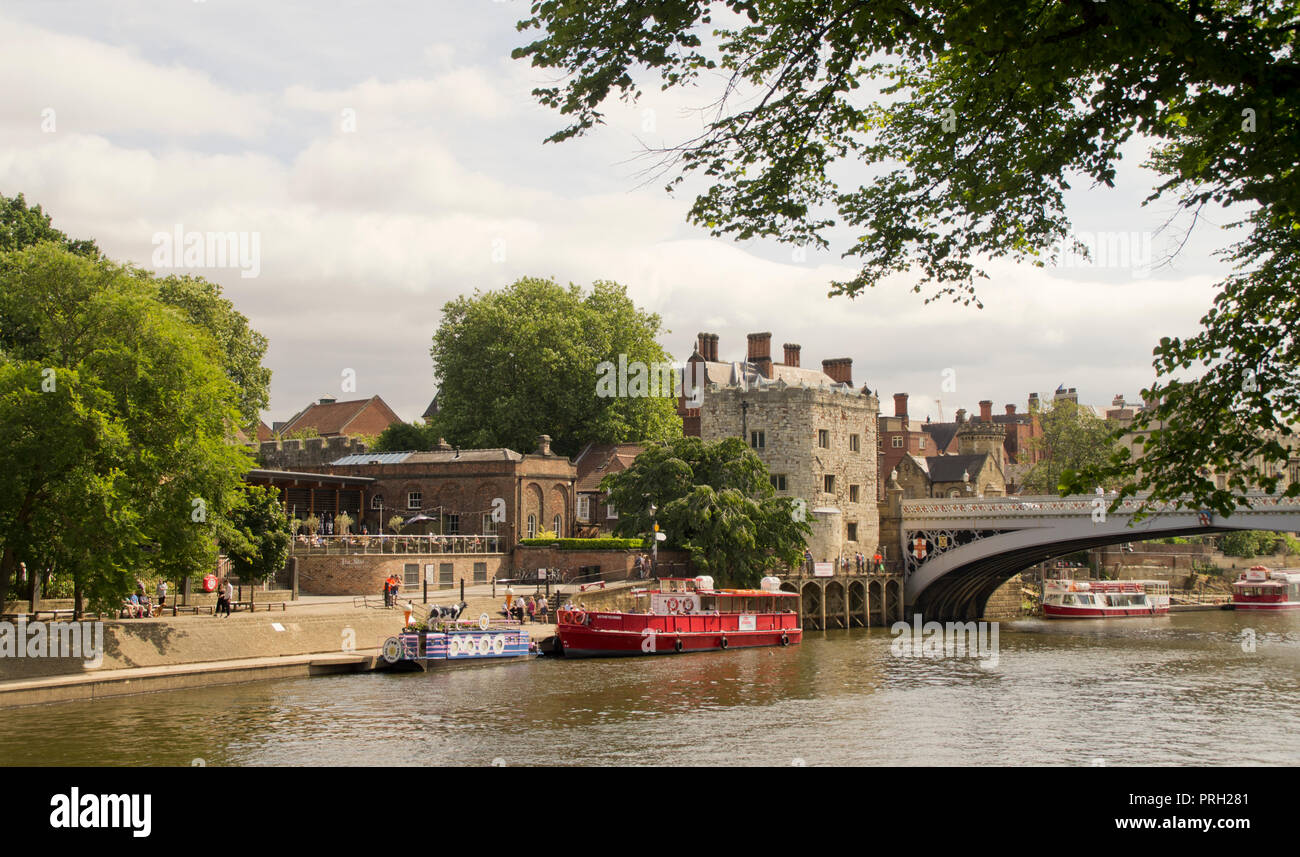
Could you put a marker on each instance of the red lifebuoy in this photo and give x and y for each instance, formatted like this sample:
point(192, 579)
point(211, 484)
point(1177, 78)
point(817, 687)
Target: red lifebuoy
point(209, 583)
point(671, 603)
point(577, 617)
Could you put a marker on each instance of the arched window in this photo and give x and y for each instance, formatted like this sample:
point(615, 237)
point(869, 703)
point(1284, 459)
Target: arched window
point(532, 526)
point(557, 526)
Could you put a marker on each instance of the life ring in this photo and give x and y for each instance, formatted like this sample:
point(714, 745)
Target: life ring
point(499, 645)
point(677, 646)
point(672, 605)
point(687, 605)
point(785, 640)
point(209, 583)
point(577, 617)
point(484, 644)
point(724, 641)
point(392, 650)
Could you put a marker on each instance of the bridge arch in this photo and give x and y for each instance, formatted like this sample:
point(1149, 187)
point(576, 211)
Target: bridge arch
point(958, 553)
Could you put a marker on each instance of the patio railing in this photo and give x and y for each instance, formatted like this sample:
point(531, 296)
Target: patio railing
point(386, 544)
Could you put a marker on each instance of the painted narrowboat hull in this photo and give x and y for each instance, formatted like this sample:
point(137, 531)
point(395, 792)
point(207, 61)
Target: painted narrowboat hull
point(632, 634)
point(1055, 611)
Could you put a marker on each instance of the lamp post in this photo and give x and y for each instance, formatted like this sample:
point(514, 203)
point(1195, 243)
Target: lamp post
point(654, 544)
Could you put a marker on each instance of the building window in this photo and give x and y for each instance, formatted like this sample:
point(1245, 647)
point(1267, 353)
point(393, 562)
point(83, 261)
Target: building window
point(757, 439)
point(778, 481)
point(896, 442)
point(828, 483)
point(446, 575)
point(584, 507)
point(413, 499)
point(853, 493)
point(377, 501)
point(853, 531)
point(451, 524)
point(920, 443)
point(480, 572)
point(855, 444)
point(532, 526)
point(610, 512)
point(824, 438)
point(411, 574)
point(557, 525)
point(489, 525)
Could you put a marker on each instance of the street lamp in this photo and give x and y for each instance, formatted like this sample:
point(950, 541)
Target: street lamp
point(654, 545)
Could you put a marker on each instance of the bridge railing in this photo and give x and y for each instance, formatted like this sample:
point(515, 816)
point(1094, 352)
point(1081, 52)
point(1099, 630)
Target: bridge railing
point(1055, 505)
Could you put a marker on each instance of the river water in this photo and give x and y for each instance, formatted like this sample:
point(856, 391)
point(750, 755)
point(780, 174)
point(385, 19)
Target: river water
point(1182, 689)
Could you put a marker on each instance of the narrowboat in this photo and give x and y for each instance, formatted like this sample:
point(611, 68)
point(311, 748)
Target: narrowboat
point(1104, 599)
point(1261, 588)
point(685, 615)
point(458, 641)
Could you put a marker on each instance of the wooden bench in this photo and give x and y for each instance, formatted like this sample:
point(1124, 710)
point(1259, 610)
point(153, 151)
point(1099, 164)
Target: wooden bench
point(254, 606)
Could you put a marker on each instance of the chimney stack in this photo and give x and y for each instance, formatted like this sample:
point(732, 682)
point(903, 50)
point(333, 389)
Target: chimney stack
point(1011, 410)
point(900, 404)
point(702, 344)
point(760, 346)
point(713, 348)
point(1033, 402)
point(791, 354)
point(961, 415)
point(986, 411)
point(543, 444)
point(840, 370)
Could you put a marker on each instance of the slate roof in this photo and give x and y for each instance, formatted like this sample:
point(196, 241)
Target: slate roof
point(598, 460)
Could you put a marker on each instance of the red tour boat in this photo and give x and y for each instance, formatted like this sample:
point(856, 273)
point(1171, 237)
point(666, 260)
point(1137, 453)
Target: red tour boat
point(1104, 599)
point(1259, 588)
point(685, 615)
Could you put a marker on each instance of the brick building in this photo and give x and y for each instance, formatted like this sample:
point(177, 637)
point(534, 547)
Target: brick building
point(455, 490)
point(332, 418)
point(593, 516)
point(815, 432)
point(975, 469)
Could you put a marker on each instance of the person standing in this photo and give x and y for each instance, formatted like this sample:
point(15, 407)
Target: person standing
point(542, 607)
point(162, 595)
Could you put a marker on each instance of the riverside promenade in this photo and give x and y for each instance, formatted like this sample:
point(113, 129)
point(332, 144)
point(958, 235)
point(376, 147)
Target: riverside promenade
point(315, 635)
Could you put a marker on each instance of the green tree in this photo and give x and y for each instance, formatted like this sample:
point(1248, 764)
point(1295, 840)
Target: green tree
point(242, 348)
point(968, 121)
point(405, 437)
point(256, 534)
point(713, 499)
point(524, 361)
point(115, 413)
point(21, 227)
point(1073, 438)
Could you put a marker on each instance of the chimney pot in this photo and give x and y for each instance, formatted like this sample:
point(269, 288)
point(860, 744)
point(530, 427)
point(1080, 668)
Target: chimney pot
point(760, 345)
point(961, 415)
point(543, 444)
point(713, 348)
point(1011, 410)
point(839, 369)
point(986, 411)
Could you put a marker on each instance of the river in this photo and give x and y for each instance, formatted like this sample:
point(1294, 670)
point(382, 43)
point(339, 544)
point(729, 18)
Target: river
point(1182, 689)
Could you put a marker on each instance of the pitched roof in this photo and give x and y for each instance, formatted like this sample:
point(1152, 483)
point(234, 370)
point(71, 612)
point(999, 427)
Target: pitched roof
point(724, 374)
point(942, 433)
point(952, 468)
point(333, 418)
point(598, 460)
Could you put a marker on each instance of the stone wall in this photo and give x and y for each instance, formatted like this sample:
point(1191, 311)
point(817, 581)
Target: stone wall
point(365, 574)
point(307, 452)
point(791, 419)
point(1006, 602)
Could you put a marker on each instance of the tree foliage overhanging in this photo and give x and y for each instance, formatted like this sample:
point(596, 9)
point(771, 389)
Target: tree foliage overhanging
point(987, 112)
point(715, 500)
point(521, 362)
point(1073, 438)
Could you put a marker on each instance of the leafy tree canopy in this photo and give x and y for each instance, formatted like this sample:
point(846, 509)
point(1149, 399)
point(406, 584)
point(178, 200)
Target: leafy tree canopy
point(968, 121)
point(255, 534)
point(115, 415)
point(21, 227)
point(713, 499)
point(1073, 438)
point(523, 361)
point(402, 437)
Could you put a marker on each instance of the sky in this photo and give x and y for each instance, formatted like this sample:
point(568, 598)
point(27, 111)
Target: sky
point(387, 158)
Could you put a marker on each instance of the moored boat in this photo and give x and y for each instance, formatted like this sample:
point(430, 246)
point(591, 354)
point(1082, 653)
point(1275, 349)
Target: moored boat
point(1104, 599)
point(685, 615)
point(1262, 588)
point(458, 641)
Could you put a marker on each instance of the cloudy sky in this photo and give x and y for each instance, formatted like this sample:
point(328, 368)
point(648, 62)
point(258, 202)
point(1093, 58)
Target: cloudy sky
point(389, 157)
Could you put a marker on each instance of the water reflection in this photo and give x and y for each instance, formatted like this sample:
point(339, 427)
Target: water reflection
point(1166, 690)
